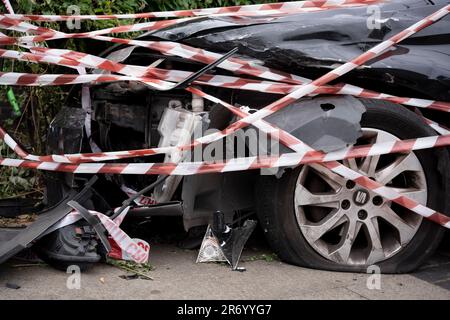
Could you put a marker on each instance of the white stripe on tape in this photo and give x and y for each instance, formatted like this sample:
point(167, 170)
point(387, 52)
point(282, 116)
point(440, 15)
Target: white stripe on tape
point(137, 168)
point(424, 211)
point(380, 148)
point(238, 164)
point(345, 68)
point(48, 166)
point(89, 168)
point(10, 141)
point(12, 162)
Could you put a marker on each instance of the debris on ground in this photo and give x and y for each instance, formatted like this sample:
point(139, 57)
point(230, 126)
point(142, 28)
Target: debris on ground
point(267, 257)
point(223, 243)
point(135, 276)
point(138, 270)
point(21, 221)
point(12, 286)
point(26, 265)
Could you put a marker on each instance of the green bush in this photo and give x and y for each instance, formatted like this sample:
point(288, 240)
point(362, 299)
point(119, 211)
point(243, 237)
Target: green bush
point(121, 6)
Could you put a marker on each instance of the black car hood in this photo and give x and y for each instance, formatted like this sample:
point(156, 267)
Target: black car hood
point(302, 42)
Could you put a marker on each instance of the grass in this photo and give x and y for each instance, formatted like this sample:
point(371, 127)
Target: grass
point(140, 269)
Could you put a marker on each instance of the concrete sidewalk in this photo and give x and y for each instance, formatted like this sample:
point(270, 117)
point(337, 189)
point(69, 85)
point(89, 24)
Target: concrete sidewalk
point(177, 276)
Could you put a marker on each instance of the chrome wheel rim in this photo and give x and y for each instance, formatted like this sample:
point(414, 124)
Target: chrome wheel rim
point(351, 225)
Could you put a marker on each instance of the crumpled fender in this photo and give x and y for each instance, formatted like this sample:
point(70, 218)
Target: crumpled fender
point(324, 123)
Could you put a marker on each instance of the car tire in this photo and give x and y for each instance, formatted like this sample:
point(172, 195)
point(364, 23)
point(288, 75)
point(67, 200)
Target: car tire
point(277, 212)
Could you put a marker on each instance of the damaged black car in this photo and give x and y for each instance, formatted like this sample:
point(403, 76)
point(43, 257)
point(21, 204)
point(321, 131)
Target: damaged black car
point(311, 216)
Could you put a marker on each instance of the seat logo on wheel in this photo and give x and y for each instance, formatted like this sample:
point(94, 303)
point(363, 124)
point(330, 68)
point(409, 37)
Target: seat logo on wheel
point(361, 197)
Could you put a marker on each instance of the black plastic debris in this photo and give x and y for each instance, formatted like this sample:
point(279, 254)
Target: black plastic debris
point(14, 241)
point(74, 244)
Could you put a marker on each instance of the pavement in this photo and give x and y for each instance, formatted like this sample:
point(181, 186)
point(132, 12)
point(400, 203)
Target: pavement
point(177, 276)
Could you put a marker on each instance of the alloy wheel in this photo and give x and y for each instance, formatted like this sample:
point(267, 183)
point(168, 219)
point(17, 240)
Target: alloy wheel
point(351, 225)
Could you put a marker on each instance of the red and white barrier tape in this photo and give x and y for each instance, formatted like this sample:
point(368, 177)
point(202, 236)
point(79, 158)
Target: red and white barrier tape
point(134, 248)
point(256, 70)
point(76, 59)
point(45, 34)
point(190, 168)
point(136, 152)
point(302, 156)
point(349, 64)
point(334, 74)
point(9, 7)
point(128, 253)
point(29, 79)
point(299, 146)
point(352, 152)
point(184, 51)
point(140, 200)
point(63, 59)
point(229, 82)
point(334, 166)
